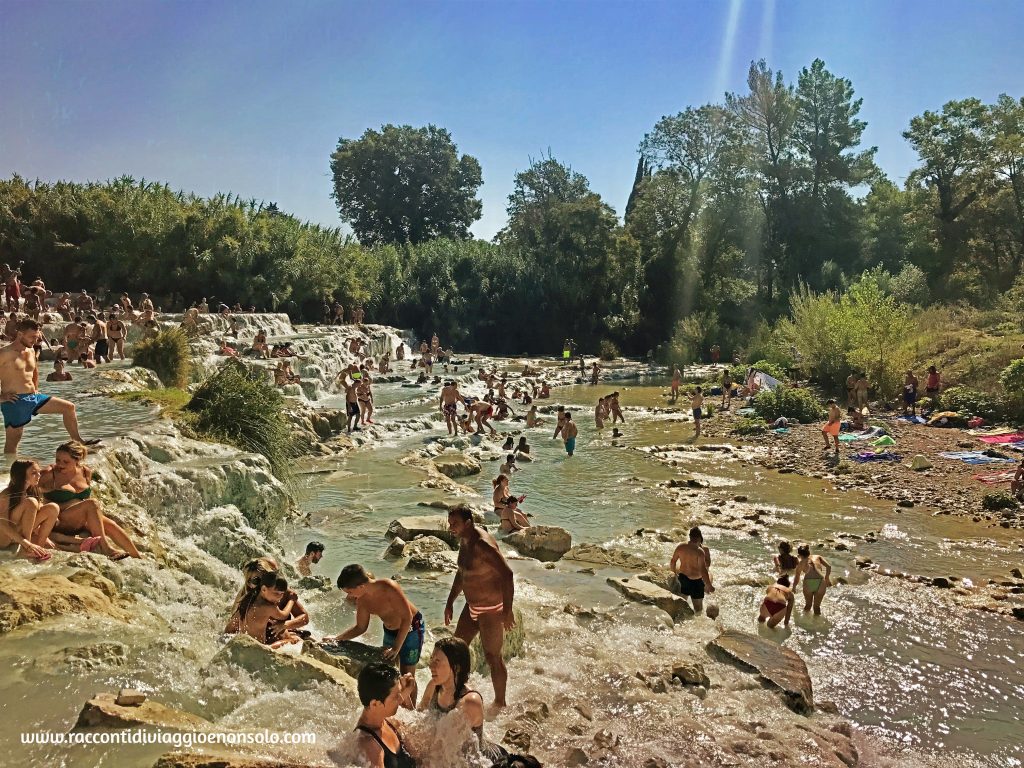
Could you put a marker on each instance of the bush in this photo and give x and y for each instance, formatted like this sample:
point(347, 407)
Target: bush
point(168, 355)
point(608, 350)
point(751, 427)
point(1012, 379)
point(792, 403)
point(998, 500)
point(971, 402)
point(244, 410)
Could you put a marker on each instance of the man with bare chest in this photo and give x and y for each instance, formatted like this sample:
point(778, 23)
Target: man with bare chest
point(20, 399)
point(486, 580)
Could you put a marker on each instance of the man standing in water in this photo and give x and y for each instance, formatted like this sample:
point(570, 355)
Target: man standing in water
point(697, 405)
point(450, 397)
point(349, 379)
point(19, 384)
point(569, 432)
point(384, 598)
point(486, 580)
point(690, 563)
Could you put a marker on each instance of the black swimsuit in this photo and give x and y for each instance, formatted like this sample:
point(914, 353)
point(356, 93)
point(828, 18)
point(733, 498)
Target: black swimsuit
point(493, 752)
point(399, 759)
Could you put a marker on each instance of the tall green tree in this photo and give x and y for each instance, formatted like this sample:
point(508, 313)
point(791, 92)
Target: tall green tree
point(405, 185)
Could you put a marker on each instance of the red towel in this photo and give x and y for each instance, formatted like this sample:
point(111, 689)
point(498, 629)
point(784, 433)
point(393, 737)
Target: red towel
point(1000, 439)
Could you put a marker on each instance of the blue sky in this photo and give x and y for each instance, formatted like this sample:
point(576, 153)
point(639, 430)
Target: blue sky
point(251, 97)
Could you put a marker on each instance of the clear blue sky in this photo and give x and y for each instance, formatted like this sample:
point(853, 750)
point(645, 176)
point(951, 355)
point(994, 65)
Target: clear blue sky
point(251, 97)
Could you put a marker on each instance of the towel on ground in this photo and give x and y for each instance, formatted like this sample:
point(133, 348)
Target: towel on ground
point(1009, 437)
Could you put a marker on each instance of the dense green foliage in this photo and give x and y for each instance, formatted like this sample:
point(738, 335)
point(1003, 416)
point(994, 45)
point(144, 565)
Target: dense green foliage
point(168, 355)
point(969, 402)
point(997, 500)
point(140, 236)
point(405, 185)
point(241, 408)
point(760, 223)
point(748, 426)
point(793, 403)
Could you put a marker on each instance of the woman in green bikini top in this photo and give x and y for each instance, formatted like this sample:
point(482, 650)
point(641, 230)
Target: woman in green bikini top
point(67, 484)
point(815, 571)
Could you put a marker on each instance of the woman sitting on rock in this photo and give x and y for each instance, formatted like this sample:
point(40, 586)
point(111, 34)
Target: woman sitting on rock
point(268, 618)
point(252, 572)
point(68, 484)
point(816, 573)
point(447, 692)
point(25, 520)
point(501, 492)
point(511, 518)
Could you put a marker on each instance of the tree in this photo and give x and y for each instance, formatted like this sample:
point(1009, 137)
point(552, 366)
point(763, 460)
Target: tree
point(405, 185)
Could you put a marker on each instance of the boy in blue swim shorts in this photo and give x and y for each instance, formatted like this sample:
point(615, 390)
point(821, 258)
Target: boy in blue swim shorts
point(403, 624)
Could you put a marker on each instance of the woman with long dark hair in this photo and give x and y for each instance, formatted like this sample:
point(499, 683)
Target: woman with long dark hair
point(25, 519)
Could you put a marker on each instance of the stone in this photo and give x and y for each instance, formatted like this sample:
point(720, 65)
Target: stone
point(396, 547)
point(518, 739)
point(739, 499)
point(605, 739)
point(1016, 573)
point(576, 756)
point(543, 542)
point(408, 528)
point(919, 463)
point(691, 673)
point(426, 545)
point(193, 760)
point(128, 697)
point(456, 465)
point(103, 711)
point(638, 590)
point(440, 562)
point(348, 655)
point(278, 670)
point(24, 601)
point(711, 611)
point(942, 582)
point(779, 667)
point(905, 504)
point(864, 562)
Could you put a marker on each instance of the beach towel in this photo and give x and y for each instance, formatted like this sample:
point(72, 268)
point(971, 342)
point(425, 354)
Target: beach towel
point(992, 431)
point(884, 440)
point(996, 479)
point(746, 412)
point(865, 456)
point(781, 431)
point(973, 457)
point(1010, 437)
point(766, 381)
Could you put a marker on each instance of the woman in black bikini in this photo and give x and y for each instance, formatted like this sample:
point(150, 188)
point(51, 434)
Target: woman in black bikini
point(67, 484)
point(447, 691)
point(381, 691)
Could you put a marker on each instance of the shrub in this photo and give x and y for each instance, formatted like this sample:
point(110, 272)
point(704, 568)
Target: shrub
point(608, 350)
point(236, 407)
point(998, 500)
point(971, 402)
point(168, 355)
point(792, 403)
point(1012, 379)
point(751, 427)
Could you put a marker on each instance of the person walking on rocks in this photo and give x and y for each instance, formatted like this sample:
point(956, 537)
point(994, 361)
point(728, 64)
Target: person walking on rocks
point(816, 573)
point(403, 624)
point(569, 432)
point(19, 389)
point(835, 417)
point(449, 401)
point(777, 604)
point(486, 580)
point(690, 562)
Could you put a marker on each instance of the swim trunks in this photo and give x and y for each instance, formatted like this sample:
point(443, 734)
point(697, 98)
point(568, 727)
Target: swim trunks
point(476, 612)
point(696, 413)
point(409, 654)
point(570, 445)
point(831, 429)
point(18, 413)
point(102, 348)
point(353, 409)
point(450, 408)
point(690, 587)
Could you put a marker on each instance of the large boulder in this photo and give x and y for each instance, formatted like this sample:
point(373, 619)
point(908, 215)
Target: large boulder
point(408, 528)
point(456, 465)
point(641, 591)
point(23, 601)
point(513, 644)
point(279, 670)
point(777, 666)
point(543, 542)
point(348, 655)
point(103, 711)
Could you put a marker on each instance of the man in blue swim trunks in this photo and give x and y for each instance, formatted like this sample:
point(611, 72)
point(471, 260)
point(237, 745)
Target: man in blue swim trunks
point(403, 624)
point(20, 399)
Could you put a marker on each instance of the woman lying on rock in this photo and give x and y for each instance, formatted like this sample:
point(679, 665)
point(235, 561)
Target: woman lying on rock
point(67, 484)
point(25, 519)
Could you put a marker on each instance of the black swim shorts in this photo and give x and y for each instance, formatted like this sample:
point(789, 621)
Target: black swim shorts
point(688, 587)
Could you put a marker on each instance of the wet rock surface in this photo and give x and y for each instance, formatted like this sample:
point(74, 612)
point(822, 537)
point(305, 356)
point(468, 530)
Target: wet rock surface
point(104, 711)
point(543, 542)
point(780, 667)
point(641, 591)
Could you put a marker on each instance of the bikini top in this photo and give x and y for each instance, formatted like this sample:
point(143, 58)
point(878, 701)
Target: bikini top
point(399, 759)
point(435, 705)
point(62, 495)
